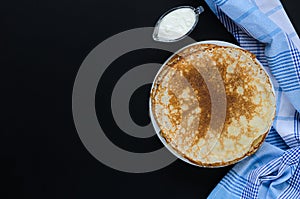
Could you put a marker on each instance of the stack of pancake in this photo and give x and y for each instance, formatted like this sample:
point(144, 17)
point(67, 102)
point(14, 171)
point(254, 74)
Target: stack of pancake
point(213, 104)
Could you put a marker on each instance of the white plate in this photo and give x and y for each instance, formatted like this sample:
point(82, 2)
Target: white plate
point(154, 123)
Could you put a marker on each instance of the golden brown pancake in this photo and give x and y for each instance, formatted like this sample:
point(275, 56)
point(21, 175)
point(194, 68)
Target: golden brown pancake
point(213, 104)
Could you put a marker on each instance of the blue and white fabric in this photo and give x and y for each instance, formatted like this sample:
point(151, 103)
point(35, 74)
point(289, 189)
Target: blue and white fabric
point(263, 27)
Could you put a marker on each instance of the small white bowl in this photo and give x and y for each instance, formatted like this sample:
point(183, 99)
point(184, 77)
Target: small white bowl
point(197, 11)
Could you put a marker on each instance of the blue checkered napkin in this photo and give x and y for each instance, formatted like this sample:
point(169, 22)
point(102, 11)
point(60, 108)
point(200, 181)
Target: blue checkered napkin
point(263, 28)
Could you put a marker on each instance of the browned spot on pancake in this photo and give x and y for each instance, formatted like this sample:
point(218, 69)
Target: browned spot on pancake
point(191, 74)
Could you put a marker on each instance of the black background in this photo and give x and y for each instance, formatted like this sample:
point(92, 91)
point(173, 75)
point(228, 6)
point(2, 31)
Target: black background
point(43, 44)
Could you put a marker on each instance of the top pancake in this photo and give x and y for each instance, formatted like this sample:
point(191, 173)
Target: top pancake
point(213, 104)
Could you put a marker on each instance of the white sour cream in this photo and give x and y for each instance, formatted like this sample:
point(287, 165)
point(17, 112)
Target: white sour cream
point(176, 24)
